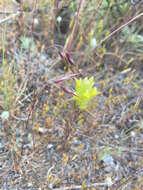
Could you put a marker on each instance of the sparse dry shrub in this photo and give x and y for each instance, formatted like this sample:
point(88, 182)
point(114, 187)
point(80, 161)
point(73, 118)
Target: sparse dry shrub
point(46, 140)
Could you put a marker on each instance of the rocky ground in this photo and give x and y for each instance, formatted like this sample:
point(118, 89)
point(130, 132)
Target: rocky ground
point(47, 143)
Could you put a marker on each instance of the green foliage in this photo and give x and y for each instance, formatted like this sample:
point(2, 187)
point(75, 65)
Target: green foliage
point(5, 115)
point(8, 84)
point(84, 92)
point(27, 44)
point(131, 35)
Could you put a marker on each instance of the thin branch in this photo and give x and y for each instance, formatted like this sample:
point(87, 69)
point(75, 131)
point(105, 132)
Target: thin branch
point(120, 28)
point(9, 17)
point(68, 46)
point(80, 186)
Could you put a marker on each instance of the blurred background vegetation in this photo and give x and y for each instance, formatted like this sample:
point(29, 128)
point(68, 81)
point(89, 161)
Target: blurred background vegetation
point(46, 142)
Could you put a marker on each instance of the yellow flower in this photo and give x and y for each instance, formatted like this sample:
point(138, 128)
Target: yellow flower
point(84, 92)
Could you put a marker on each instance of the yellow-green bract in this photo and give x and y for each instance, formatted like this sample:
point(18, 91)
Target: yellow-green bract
point(84, 92)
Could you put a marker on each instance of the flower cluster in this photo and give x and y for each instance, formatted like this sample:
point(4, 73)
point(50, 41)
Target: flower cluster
point(84, 92)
